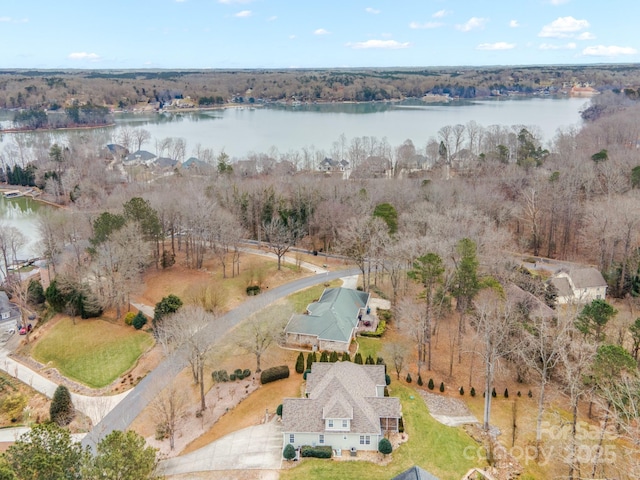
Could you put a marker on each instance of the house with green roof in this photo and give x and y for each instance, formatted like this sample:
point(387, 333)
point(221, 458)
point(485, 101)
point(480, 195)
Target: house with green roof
point(330, 323)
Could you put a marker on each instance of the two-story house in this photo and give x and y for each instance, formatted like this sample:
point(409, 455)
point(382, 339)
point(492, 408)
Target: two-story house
point(344, 407)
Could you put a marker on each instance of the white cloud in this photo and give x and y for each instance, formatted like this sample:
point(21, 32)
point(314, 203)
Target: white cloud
point(243, 14)
point(372, 11)
point(551, 46)
point(586, 36)
point(558, 2)
point(321, 31)
point(291, 37)
point(425, 25)
point(92, 57)
point(472, 24)
point(514, 24)
point(608, 51)
point(272, 18)
point(496, 46)
point(441, 13)
point(563, 27)
point(381, 44)
point(180, 1)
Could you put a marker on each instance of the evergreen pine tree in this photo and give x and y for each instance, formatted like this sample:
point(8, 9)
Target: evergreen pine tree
point(506, 393)
point(346, 357)
point(430, 385)
point(358, 359)
point(61, 409)
point(300, 363)
point(472, 392)
point(333, 357)
point(369, 360)
point(324, 357)
point(408, 378)
point(420, 380)
point(441, 387)
point(493, 392)
point(461, 390)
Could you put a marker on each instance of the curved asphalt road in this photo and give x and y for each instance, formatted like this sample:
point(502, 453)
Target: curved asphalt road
point(132, 405)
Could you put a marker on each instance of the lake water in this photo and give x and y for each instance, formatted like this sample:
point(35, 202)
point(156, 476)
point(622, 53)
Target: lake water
point(22, 213)
point(239, 131)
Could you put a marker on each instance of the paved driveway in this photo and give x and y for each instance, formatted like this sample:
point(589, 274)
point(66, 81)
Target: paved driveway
point(252, 448)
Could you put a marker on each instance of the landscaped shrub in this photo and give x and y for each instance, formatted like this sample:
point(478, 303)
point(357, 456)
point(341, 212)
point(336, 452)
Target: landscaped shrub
point(384, 314)
point(419, 382)
point(279, 410)
point(274, 373)
point(232, 377)
point(346, 357)
point(387, 379)
point(306, 372)
point(311, 357)
point(128, 318)
point(386, 391)
point(441, 387)
point(333, 357)
point(35, 292)
point(238, 373)
point(431, 385)
point(253, 290)
point(506, 393)
point(246, 373)
point(322, 451)
point(139, 321)
point(472, 392)
point(493, 392)
point(289, 452)
point(400, 425)
point(13, 406)
point(300, 363)
point(369, 360)
point(461, 390)
point(382, 326)
point(384, 446)
point(61, 409)
point(358, 358)
point(530, 394)
point(519, 394)
point(324, 357)
point(408, 378)
point(220, 376)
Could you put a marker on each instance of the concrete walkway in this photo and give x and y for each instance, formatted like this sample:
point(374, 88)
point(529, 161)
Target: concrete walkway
point(253, 448)
point(94, 407)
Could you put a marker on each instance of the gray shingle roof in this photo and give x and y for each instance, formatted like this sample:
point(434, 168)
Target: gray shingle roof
point(587, 277)
point(333, 317)
point(346, 390)
point(415, 473)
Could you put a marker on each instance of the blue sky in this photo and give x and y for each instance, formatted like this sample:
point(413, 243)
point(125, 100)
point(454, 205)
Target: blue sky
point(310, 33)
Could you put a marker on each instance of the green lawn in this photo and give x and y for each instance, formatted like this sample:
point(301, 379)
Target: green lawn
point(435, 447)
point(92, 352)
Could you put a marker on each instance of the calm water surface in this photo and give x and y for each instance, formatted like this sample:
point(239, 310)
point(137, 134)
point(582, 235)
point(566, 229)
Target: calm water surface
point(240, 131)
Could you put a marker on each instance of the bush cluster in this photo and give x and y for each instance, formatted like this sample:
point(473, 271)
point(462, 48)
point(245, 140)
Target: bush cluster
point(253, 290)
point(220, 376)
point(323, 451)
point(382, 326)
point(274, 373)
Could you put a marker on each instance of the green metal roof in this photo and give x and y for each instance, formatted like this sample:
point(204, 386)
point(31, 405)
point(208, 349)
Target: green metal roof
point(333, 317)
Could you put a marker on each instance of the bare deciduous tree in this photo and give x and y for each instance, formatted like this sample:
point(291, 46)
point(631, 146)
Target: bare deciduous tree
point(167, 409)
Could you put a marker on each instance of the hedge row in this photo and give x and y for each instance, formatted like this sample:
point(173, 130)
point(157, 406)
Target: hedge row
point(274, 373)
point(324, 451)
point(222, 375)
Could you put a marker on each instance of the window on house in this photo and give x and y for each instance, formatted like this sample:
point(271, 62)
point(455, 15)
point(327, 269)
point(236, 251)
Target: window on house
point(292, 438)
point(365, 440)
point(321, 439)
point(330, 423)
point(345, 423)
